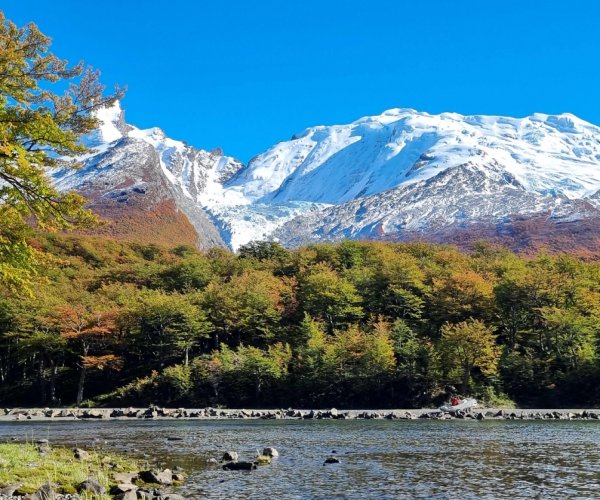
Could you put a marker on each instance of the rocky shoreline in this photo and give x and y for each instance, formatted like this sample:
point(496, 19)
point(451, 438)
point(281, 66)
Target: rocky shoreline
point(155, 412)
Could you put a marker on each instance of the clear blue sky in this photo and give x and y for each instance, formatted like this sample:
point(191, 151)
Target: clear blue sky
point(246, 74)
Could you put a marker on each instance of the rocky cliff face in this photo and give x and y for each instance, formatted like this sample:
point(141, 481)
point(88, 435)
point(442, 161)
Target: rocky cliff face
point(147, 185)
point(398, 175)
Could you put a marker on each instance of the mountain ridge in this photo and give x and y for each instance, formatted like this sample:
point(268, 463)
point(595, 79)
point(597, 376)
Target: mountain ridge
point(400, 172)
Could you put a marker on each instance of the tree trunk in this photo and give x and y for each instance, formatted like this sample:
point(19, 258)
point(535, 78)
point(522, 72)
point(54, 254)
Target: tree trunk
point(53, 375)
point(80, 385)
point(42, 381)
point(466, 379)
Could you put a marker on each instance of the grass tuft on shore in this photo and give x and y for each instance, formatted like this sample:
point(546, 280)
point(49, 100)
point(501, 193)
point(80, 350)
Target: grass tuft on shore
point(22, 463)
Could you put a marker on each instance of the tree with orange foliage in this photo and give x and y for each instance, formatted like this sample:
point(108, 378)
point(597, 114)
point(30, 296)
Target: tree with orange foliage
point(90, 329)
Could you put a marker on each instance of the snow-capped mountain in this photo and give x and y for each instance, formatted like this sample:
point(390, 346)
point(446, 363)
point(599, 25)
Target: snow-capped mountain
point(395, 175)
point(147, 183)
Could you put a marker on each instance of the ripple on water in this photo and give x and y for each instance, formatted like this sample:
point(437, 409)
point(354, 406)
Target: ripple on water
point(379, 459)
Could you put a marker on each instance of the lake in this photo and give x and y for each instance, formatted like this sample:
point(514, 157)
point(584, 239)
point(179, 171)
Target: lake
point(379, 458)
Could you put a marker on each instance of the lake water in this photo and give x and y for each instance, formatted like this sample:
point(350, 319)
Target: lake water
point(379, 459)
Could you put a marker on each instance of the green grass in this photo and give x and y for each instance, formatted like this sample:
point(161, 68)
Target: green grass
point(22, 463)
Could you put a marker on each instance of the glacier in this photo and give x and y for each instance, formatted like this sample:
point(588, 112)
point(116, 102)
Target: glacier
point(402, 170)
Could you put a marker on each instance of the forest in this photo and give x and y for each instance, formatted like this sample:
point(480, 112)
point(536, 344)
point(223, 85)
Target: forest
point(349, 325)
point(89, 321)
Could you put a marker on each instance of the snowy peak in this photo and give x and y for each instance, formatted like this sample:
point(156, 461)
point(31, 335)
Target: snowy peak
point(192, 171)
point(342, 162)
point(400, 171)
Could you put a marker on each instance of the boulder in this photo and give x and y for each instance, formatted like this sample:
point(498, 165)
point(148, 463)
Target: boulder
point(91, 485)
point(230, 456)
point(9, 491)
point(331, 460)
point(46, 492)
point(164, 477)
point(179, 477)
point(126, 477)
point(270, 452)
point(95, 414)
point(80, 454)
point(144, 494)
point(127, 495)
point(123, 488)
point(239, 466)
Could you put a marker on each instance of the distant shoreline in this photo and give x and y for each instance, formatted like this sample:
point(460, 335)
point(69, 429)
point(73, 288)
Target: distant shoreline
point(159, 413)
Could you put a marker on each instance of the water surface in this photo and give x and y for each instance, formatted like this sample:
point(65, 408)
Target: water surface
point(379, 458)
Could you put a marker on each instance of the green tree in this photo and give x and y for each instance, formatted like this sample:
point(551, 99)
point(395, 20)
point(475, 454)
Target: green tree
point(166, 326)
point(571, 336)
point(39, 129)
point(468, 345)
point(325, 295)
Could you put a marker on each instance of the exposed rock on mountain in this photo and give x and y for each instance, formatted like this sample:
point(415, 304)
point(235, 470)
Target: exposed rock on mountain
point(399, 175)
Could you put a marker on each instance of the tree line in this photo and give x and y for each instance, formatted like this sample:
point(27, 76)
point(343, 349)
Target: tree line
point(352, 324)
point(94, 321)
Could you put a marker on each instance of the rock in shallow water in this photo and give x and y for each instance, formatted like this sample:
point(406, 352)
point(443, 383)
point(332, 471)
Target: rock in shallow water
point(270, 452)
point(230, 456)
point(239, 466)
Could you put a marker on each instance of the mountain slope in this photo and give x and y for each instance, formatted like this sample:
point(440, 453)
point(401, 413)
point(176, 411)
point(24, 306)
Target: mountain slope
point(399, 175)
point(146, 184)
point(405, 172)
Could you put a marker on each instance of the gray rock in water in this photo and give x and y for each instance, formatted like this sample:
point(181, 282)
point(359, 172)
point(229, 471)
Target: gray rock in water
point(230, 456)
point(270, 452)
point(46, 492)
point(331, 460)
point(239, 466)
point(91, 485)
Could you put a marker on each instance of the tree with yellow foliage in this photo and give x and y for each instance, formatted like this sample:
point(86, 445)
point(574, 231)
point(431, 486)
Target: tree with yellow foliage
point(39, 130)
point(468, 345)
